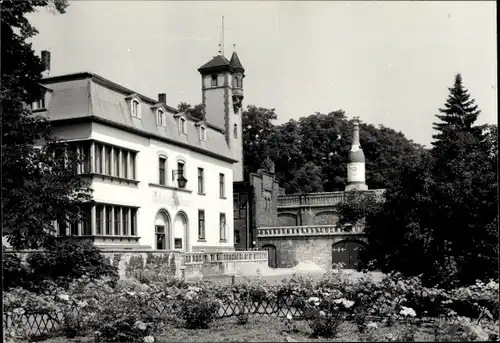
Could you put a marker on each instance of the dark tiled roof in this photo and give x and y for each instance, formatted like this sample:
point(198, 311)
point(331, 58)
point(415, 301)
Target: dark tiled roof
point(235, 62)
point(86, 95)
point(218, 62)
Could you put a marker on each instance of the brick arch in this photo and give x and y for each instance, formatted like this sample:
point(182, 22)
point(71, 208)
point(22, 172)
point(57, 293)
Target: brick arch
point(326, 218)
point(287, 219)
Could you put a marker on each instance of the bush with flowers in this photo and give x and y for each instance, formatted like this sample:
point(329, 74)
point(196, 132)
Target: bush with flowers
point(199, 309)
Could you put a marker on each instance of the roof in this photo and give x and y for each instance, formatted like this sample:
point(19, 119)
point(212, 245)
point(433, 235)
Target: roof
point(217, 63)
point(86, 96)
point(235, 62)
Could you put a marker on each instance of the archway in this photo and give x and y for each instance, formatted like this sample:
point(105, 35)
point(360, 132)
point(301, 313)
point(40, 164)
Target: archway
point(181, 236)
point(271, 255)
point(163, 231)
point(347, 252)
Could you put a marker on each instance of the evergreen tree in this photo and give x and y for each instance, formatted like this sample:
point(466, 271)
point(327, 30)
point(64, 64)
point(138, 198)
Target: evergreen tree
point(38, 188)
point(459, 114)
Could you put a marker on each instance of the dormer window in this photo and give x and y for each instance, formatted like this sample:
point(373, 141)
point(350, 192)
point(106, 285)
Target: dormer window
point(160, 118)
point(203, 133)
point(136, 109)
point(183, 126)
point(214, 80)
point(39, 104)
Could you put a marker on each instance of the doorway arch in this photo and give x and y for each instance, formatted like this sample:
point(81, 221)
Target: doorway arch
point(347, 252)
point(271, 255)
point(163, 231)
point(181, 232)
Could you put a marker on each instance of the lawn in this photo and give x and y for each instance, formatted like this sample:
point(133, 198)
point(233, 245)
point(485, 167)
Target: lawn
point(267, 329)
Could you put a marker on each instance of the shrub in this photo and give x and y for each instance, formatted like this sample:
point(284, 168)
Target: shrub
point(70, 259)
point(199, 310)
point(15, 274)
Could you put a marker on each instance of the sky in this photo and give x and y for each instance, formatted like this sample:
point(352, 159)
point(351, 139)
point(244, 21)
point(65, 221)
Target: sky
point(389, 63)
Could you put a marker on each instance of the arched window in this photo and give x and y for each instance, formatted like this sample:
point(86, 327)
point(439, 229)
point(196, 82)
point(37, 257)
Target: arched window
point(203, 133)
point(160, 118)
point(180, 232)
point(182, 126)
point(136, 109)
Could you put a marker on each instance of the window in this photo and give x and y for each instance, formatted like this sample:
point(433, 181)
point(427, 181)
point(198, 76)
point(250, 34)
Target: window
point(160, 120)
point(116, 162)
point(117, 221)
point(203, 133)
point(235, 131)
point(180, 167)
point(86, 158)
point(221, 186)
point(99, 219)
point(136, 110)
point(162, 170)
point(182, 125)
point(74, 228)
point(222, 221)
point(125, 221)
point(108, 160)
point(131, 173)
point(201, 224)
point(214, 81)
point(39, 104)
point(98, 158)
point(200, 180)
point(133, 222)
point(62, 227)
point(178, 243)
point(86, 229)
point(240, 205)
point(124, 164)
point(236, 236)
point(160, 237)
point(109, 219)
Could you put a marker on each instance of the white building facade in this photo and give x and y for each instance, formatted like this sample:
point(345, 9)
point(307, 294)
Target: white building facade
point(161, 179)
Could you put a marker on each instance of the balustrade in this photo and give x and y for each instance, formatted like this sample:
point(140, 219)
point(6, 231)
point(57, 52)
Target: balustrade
point(319, 199)
point(316, 230)
point(201, 257)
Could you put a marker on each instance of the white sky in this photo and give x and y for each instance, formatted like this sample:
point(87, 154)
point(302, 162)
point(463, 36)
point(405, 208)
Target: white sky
point(387, 62)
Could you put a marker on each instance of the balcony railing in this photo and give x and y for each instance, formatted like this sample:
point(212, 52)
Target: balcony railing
point(312, 230)
point(206, 257)
point(318, 199)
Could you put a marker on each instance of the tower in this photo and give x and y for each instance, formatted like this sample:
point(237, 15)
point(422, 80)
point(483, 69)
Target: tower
point(222, 91)
point(356, 163)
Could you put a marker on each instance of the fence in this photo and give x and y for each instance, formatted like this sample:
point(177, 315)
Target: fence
point(39, 324)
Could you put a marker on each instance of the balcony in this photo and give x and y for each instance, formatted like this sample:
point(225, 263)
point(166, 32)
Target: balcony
point(312, 230)
point(318, 199)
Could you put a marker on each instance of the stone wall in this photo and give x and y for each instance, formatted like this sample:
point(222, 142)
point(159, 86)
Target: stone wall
point(292, 250)
point(191, 266)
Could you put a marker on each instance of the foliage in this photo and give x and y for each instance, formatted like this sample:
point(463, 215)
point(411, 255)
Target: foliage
point(69, 259)
point(197, 112)
point(310, 154)
point(440, 219)
point(356, 206)
point(37, 185)
point(14, 272)
point(197, 310)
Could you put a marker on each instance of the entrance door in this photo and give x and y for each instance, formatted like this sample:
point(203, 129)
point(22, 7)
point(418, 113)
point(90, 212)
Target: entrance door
point(271, 255)
point(346, 252)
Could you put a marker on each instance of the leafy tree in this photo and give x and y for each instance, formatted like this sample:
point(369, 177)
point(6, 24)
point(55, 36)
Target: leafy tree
point(197, 112)
point(356, 206)
point(37, 186)
point(257, 133)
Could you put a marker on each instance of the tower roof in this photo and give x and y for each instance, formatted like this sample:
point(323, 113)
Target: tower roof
point(235, 62)
point(218, 63)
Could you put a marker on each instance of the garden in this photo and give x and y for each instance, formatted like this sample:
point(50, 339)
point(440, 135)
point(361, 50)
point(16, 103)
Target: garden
point(151, 307)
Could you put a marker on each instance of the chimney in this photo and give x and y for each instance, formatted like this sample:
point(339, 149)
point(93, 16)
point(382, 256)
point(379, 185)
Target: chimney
point(162, 97)
point(46, 61)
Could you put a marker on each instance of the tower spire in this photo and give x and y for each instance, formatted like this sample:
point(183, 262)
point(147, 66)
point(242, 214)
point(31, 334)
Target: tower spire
point(221, 45)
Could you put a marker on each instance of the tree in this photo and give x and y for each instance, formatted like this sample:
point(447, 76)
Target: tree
point(38, 186)
point(197, 112)
point(257, 132)
point(440, 218)
point(459, 113)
